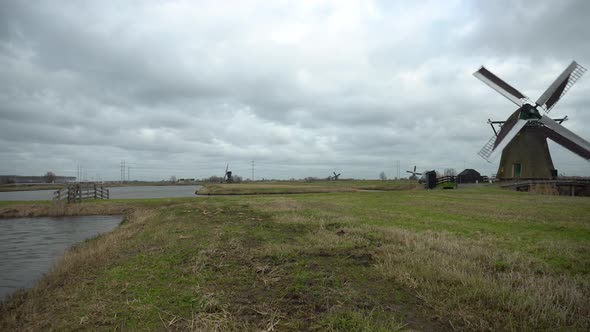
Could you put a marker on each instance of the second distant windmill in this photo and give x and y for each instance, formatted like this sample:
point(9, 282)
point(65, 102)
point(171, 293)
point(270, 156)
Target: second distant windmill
point(414, 175)
point(227, 175)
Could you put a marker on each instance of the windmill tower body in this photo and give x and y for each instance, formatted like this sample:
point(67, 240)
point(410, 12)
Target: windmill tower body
point(522, 139)
point(526, 156)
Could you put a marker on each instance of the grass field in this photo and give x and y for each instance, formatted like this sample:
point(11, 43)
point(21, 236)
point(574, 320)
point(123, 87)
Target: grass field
point(299, 187)
point(470, 259)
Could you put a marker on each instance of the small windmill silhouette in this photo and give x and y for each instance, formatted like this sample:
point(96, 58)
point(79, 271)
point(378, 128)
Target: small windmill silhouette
point(414, 174)
point(227, 176)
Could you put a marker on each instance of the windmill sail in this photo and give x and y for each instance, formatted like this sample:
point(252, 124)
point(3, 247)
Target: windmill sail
point(499, 85)
point(560, 86)
point(564, 137)
point(503, 139)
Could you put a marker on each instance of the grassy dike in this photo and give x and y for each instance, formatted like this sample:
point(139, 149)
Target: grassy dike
point(305, 187)
point(471, 259)
point(56, 186)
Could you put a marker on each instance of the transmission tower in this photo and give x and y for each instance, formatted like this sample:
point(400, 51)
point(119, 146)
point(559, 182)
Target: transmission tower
point(122, 171)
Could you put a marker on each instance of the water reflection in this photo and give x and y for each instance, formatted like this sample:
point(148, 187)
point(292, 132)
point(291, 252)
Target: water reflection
point(29, 246)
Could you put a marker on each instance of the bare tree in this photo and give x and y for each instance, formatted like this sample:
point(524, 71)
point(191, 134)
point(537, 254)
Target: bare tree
point(450, 172)
point(215, 179)
point(382, 176)
point(173, 179)
point(49, 177)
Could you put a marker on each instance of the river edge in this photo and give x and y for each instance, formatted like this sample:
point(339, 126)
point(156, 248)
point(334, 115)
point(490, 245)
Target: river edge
point(80, 261)
point(30, 246)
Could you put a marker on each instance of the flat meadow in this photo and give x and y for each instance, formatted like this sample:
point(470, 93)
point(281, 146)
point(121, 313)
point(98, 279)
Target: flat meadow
point(347, 260)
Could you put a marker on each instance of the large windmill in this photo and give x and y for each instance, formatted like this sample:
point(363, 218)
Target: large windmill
point(336, 176)
point(414, 174)
point(522, 138)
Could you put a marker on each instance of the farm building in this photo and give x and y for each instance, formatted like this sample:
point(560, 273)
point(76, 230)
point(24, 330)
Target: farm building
point(469, 176)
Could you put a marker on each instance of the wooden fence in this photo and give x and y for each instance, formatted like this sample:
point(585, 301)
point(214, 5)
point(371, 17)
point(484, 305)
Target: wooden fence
point(449, 181)
point(80, 191)
point(452, 181)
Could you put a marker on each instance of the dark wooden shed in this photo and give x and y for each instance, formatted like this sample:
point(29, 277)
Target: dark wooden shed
point(469, 176)
point(430, 179)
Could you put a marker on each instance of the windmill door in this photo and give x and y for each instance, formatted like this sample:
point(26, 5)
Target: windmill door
point(516, 170)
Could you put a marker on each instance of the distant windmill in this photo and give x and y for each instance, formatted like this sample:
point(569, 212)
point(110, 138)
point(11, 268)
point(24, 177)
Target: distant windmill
point(335, 177)
point(227, 176)
point(413, 176)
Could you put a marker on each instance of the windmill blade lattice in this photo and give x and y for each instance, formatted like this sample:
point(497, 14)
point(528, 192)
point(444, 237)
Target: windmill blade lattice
point(487, 149)
point(560, 86)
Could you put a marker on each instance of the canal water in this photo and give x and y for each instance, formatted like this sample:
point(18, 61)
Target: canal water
point(30, 246)
point(115, 192)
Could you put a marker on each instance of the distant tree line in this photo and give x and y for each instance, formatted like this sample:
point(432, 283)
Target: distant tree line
point(49, 177)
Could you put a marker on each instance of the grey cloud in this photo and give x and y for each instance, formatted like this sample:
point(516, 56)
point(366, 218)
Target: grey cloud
point(183, 87)
point(535, 29)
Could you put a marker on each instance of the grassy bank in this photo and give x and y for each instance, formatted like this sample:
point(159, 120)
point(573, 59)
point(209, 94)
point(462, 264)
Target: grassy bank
point(473, 259)
point(300, 187)
point(29, 187)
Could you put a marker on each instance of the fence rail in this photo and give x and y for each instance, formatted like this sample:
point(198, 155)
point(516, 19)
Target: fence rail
point(446, 179)
point(578, 179)
point(81, 191)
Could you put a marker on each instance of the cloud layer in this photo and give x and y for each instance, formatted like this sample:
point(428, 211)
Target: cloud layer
point(300, 87)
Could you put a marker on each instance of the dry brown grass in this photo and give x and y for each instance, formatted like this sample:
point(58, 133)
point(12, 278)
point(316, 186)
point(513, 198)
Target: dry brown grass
point(486, 288)
point(544, 189)
point(481, 287)
point(475, 282)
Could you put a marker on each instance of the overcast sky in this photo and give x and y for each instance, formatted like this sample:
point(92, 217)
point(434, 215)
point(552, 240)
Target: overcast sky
point(303, 88)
